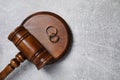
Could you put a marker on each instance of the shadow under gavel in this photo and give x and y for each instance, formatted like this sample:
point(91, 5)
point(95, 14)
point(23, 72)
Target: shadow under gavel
point(42, 39)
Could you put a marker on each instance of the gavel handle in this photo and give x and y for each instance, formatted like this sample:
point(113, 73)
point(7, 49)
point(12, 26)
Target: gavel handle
point(13, 64)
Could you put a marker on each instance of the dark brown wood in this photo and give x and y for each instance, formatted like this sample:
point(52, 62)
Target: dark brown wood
point(30, 47)
point(45, 26)
point(14, 63)
point(42, 38)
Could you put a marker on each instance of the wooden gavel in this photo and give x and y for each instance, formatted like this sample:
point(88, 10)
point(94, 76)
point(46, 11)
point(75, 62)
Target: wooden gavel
point(42, 39)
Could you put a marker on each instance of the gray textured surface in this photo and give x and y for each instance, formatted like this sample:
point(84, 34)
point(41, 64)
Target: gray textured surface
point(96, 48)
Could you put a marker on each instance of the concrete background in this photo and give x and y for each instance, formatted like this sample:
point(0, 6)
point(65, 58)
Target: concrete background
point(95, 25)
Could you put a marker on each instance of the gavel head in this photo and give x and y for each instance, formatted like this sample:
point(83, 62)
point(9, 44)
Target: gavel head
point(30, 47)
point(42, 38)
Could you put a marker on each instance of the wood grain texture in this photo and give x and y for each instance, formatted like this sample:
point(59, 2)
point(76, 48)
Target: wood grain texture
point(46, 26)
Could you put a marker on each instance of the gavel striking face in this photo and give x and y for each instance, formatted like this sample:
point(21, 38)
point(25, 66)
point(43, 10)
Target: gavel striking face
point(42, 38)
